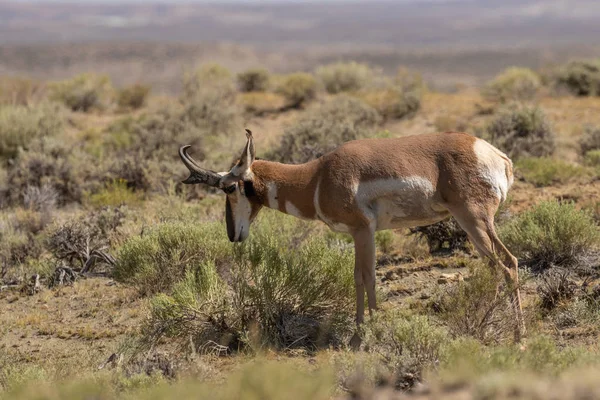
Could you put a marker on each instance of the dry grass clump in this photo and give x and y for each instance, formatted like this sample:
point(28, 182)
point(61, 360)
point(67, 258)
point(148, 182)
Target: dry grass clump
point(20, 125)
point(551, 234)
point(514, 84)
point(474, 308)
point(443, 236)
point(45, 173)
point(82, 243)
point(522, 131)
point(546, 171)
point(579, 77)
point(297, 88)
point(345, 76)
point(324, 127)
point(133, 97)
point(85, 92)
point(253, 80)
point(17, 91)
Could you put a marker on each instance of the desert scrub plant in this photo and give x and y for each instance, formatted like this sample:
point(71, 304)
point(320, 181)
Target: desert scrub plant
point(345, 76)
point(20, 125)
point(590, 140)
point(253, 80)
point(133, 97)
point(284, 289)
point(551, 234)
point(115, 193)
point(83, 92)
point(592, 158)
point(322, 128)
point(521, 131)
point(556, 287)
point(161, 257)
point(300, 296)
point(48, 167)
point(514, 84)
point(392, 102)
point(297, 88)
point(443, 236)
point(579, 77)
point(406, 346)
point(474, 307)
point(259, 103)
point(213, 110)
point(546, 171)
point(207, 75)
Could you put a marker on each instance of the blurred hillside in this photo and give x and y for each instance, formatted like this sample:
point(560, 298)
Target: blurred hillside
point(450, 42)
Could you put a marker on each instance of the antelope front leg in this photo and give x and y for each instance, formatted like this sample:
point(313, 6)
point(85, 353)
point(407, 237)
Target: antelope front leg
point(364, 277)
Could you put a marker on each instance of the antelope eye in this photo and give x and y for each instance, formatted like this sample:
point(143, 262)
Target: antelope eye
point(229, 189)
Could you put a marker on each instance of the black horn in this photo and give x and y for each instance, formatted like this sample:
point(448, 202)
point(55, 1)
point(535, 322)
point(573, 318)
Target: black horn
point(197, 173)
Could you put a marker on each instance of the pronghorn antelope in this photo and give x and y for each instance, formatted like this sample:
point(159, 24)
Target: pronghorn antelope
point(375, 184)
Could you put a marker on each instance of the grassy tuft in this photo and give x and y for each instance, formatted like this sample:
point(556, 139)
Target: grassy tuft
point(545, 171)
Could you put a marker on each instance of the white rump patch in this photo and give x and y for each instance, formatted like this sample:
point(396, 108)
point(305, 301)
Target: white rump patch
point(492, 163)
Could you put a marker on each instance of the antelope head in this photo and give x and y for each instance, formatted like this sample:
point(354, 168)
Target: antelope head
point(241, 205)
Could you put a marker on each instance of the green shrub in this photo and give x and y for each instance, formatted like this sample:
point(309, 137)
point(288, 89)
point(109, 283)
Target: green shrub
point(392, 102)
point(324, 127)
point(260, 103)
point(208, 75)
point(297, 88)
point(590, 140)
point(300, 297)
point(253, 80)
point(84, 92)
point(580, 77)
point(551, 234)
point(115, 193)
point(282, 290)
point(133, 97)
point(546, 171)
point(20, 125)
point(521, 131)
point(592, 158)
point(213, 110)
point(514, 84)
point(345, 76)
point(160, 258)
point(405, 346)
point(473, 307)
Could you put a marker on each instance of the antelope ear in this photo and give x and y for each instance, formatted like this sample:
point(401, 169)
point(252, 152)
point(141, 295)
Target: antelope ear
point(248, 155)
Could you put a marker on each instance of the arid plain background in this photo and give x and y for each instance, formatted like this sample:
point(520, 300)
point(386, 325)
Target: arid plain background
point(118, 281)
